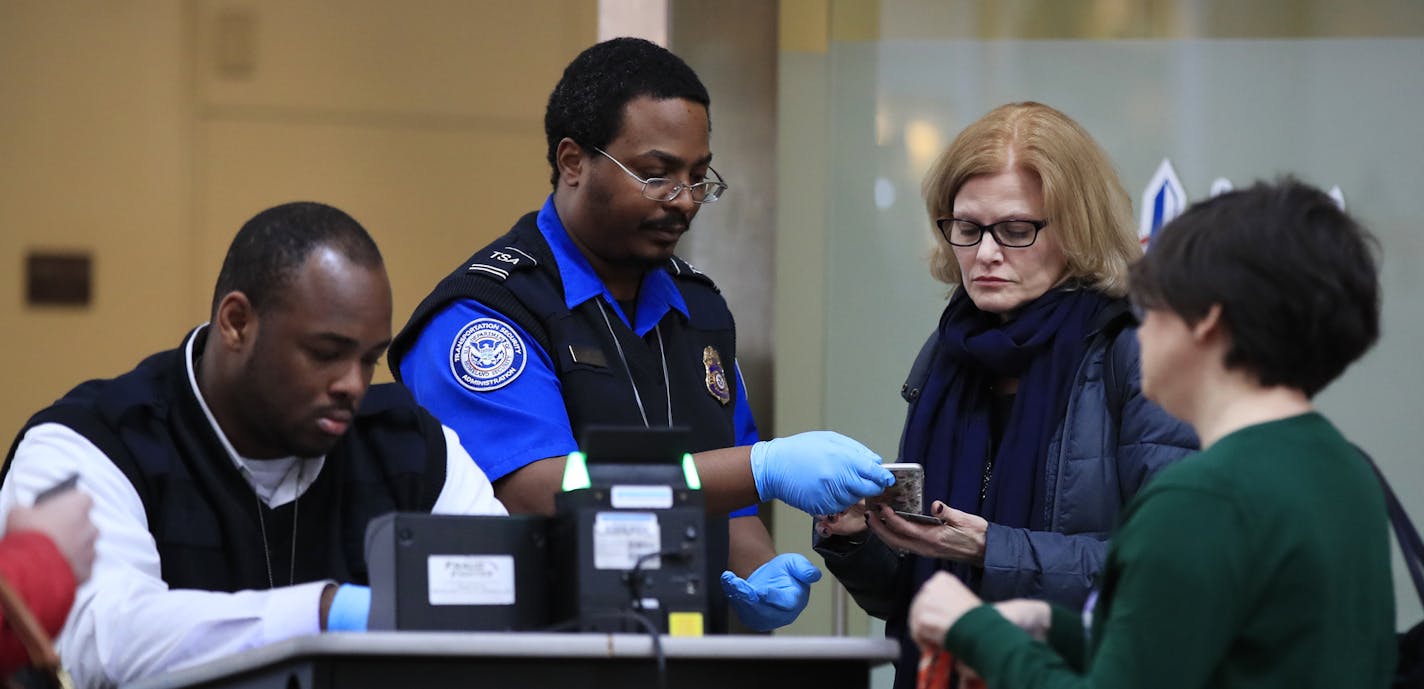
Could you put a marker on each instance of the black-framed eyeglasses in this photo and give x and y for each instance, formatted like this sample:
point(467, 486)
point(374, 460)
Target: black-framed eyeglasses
point(1015, 234)
point(664, 190)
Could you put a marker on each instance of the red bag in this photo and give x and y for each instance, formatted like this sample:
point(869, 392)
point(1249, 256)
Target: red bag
point(937, 671)
point(44, 670)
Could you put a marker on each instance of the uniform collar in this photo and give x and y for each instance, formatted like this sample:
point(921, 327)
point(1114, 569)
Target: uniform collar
point(656, 295)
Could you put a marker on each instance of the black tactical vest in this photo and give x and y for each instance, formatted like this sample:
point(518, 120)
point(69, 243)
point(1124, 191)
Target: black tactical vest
point(204, 515)
point(516, 275)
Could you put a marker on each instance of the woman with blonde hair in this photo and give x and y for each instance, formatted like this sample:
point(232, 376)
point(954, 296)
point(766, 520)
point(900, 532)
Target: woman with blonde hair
point(1262, 561)
point(1024, 405)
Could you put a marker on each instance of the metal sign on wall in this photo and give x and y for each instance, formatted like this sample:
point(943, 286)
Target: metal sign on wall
point(1165, 198)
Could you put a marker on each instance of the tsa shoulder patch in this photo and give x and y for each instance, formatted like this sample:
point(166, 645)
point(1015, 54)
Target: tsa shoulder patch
point(498, 263)
point(487, 355)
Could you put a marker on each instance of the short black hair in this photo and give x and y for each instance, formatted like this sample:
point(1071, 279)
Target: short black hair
point(270, 247)
point(1296, 277)
point(587, 103)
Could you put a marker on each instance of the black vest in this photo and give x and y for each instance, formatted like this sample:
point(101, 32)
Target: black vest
point(204, 515)
point(516, 275)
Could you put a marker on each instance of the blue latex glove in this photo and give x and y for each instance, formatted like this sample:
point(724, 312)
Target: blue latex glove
point(817, 472)
point(350, 608)
point(774, 594)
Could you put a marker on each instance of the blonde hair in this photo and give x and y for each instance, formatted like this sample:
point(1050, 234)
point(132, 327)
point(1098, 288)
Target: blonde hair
point(1082, 196)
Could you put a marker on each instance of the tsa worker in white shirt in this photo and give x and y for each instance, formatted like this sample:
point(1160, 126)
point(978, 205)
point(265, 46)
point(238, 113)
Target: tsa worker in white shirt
point(233, 477)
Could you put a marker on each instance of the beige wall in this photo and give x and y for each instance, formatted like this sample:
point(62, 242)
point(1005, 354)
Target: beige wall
point(95, 138)
point(146, 132)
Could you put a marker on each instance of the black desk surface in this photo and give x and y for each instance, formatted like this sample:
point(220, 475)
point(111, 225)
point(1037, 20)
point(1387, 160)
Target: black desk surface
point(513, 659)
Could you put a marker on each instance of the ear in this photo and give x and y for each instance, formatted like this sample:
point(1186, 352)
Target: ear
point(570, 159)
point(1210, 326)
point(235, 322)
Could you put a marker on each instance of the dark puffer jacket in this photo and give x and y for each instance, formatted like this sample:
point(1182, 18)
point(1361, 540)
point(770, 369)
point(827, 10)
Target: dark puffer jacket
point(1111, 441)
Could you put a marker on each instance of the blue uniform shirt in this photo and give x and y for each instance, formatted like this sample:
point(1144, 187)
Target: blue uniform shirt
point(524, 420)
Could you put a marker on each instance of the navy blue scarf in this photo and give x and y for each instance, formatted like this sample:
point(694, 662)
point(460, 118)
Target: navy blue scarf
point(948, 430)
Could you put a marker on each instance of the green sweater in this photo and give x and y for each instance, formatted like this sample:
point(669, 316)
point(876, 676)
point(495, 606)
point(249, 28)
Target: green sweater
point(1262, 562)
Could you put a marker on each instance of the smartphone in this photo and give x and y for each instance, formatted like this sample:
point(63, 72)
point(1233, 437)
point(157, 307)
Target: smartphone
point(907, 496)
point(58, 488)
point(918, 518)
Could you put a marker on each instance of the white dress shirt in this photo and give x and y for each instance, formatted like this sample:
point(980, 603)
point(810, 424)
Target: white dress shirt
point(126, 623)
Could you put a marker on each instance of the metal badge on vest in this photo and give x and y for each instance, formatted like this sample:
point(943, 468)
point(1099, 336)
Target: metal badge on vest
point(716, 376)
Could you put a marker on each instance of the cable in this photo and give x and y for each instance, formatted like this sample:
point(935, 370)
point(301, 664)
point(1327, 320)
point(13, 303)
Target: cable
point(634, 576)
point(642, 621)
point(634, 580)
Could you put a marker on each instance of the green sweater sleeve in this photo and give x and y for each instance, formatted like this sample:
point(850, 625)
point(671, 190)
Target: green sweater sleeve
point(1065, 635)
point(1171, 581)
point(997, 649)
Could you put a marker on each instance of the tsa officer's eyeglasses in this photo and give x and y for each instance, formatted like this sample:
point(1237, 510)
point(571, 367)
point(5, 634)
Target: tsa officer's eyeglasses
point(664, 190)
point(1015, 234)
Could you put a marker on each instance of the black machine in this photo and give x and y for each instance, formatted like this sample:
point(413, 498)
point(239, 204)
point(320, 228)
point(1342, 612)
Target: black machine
point(443, 572)
point(629, 535)
point(626, 550)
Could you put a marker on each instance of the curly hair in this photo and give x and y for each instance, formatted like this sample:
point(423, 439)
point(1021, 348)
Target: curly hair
point(587, 103)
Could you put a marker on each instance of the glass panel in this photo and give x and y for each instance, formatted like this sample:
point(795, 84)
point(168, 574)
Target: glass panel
point(1331, 111)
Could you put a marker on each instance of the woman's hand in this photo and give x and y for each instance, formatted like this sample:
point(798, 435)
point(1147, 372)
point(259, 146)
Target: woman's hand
point(1032, 616)
point(939, 604)
point(960, 537)
point(65, 520)
point(848, 523)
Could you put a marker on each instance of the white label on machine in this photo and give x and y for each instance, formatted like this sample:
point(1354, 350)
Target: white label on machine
point(641, 497)
point(620, 538)
point(471, 579)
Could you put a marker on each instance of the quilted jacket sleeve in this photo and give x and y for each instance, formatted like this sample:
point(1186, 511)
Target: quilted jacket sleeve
point(871, 572)
point(1131, 438)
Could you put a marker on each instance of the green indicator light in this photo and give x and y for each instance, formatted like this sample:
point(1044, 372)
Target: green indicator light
point(689, 472)
point(576, 472)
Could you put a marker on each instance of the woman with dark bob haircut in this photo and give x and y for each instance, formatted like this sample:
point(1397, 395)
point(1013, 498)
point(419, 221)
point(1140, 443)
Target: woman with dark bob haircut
point(1024, 406)
point(1263, 561)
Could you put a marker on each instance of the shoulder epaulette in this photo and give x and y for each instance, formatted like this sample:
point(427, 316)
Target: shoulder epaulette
point(499, 262)
point(682, 269)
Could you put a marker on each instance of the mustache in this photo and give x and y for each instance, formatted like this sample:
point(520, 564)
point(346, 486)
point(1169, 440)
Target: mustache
point(344, 411)
point(672, 221)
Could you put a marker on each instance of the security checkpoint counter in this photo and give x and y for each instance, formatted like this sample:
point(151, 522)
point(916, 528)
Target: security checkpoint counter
point(453, 660)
